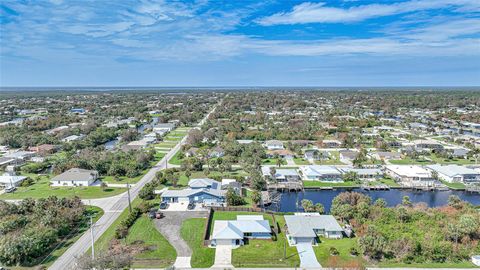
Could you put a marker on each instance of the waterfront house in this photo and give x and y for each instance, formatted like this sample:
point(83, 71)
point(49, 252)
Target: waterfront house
point(314, 154)
point(281, 175)
point(274, 145)
point(363, 173)
point(386, 155)
point(198, 195)
point(283, 153)
point(455, 173)
point(320, 173)
point(410, 175)
point(348, 155)
point(235, 232)
point(75, 177)
point(307, 227)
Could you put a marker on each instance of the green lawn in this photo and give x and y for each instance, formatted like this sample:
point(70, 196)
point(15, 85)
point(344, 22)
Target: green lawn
point(159, 253)
point(165, 144)
point(272, 161)
point(312, 184)
point(192, 232)
point(301, 161)
point(42, 189)
point(175, 160)
point(322, 251)
point(454, 185)
point(262, 253)
point(459, 161)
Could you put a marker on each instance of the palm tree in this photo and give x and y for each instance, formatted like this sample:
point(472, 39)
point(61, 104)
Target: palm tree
point(256, 197)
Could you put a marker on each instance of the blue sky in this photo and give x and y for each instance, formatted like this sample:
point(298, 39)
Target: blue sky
point(240, 43)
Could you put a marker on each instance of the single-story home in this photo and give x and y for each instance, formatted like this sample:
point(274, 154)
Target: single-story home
point(20, 155)
point(11, 180)
point(44, 149)
point(320, 173)
point(73, 138)
point(216, 152)
point(75, 177)
point(201, 195)
point(307, 227)
point(233, 184)
point(5, 161)
point(283, 153)
point(364, 173)
point(197, 183)
point(331, 143)
point(455, 173)
point(234, 232)
point(314, 154)
point(427, 145)
point(348, 155)
point(281, 175)
point(386, 155)
point(163, 127)
point(274, 145)
point(411, 175)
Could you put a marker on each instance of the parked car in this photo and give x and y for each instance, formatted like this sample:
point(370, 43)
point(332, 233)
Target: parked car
point(152, 213)
point(10, 189)
point(163, 205)
point(191, 206)
point(159, 215)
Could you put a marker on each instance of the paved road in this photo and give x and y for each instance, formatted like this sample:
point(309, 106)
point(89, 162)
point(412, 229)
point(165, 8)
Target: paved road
point(113, 207)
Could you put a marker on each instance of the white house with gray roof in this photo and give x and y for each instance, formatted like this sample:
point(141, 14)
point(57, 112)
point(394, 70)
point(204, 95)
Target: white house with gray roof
point(281, 175)
point(75, 177)
point(234, 232)
point(455, 173)
point(320, 173)
point(307, 227)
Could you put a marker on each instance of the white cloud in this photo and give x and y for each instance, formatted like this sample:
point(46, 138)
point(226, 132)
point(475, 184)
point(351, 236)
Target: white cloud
point(320, 13)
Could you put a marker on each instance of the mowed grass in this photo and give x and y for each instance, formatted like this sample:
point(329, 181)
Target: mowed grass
point(322, 251)
point(301, 161)
point(159, 253)
point(42, 189)
point(262, 253)
point(192, 232)
point(175, 160)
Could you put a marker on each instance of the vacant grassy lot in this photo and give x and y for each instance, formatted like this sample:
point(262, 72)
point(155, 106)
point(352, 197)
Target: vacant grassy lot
point(262, 253)
point(192, 232)
point(159, 252)
point(42, 189)
point(322, 251)
point(301, 161)
point(408, 161)
point(175, 160)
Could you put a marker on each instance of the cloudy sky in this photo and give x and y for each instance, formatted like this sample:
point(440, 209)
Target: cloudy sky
point(240, 43)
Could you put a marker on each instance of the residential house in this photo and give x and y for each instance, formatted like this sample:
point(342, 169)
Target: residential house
point(235, 232)
point(274, 145)
point(44, 149)
point(455, 173)
point(320, 173)
point(20, 156)
point(307, 227)
point(421, 145)
point(197, 183)
point(281, 175)
point(314, 154)
point(331, 143)
point(73, 138)
point(163, 127)
point(205, 196)
point(363, 173)
point(348, 155)
point(232, 184)
point(284, 153)
point(75, 177)
point(191, 152)
point(11, 180)
point(5, 161)
point(386, 155)
point(410, 175)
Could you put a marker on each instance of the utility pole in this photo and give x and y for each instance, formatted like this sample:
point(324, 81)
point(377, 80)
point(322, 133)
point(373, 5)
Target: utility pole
point(91, 234)
point(129, 203)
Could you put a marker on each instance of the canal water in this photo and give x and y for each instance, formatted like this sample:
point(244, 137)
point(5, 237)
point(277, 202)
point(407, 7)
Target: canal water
point(289, 200)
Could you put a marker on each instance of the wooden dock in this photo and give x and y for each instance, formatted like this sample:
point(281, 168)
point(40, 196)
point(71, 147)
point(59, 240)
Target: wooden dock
point(376, 187)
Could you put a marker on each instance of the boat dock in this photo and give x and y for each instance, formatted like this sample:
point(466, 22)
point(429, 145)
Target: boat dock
point(375, 187)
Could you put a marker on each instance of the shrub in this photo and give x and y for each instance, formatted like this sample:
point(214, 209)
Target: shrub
point(333, 251)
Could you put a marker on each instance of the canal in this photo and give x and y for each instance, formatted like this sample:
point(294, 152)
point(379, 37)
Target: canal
point(289, 200)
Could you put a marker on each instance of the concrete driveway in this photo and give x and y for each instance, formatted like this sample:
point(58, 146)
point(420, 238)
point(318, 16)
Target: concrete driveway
point(223, 257)
point(307, 256)
point(170, 226)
